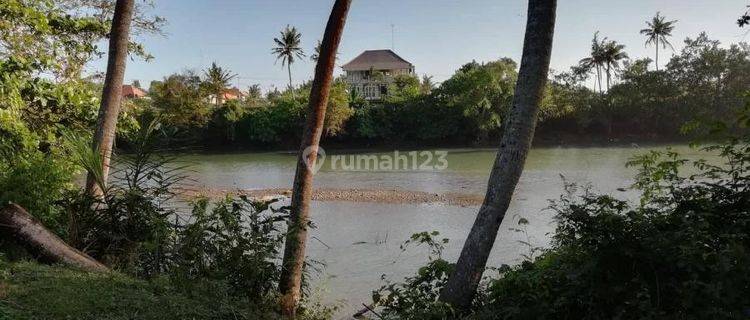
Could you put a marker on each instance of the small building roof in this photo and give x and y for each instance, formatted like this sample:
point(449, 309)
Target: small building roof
point(132, 91)
point(377, 60)
point(232, 92)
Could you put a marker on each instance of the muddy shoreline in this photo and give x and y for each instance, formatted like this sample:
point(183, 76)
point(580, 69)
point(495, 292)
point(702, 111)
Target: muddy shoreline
point(391, 196)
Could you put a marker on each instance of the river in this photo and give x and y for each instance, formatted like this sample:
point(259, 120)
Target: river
point(360, 241)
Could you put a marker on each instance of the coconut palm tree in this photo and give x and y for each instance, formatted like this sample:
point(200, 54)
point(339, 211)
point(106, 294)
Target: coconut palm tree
point(611, 54)
point(657, 33)
point(215, 80)
point(514, 146)
point(316, 54)
point(288, 50)
point(595, 61)
point(427, 84)
point(109, 109)
point(293, 261)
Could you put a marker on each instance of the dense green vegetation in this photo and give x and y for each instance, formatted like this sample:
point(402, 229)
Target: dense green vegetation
point(171, 256)
point(629, 100)
point(681, 252)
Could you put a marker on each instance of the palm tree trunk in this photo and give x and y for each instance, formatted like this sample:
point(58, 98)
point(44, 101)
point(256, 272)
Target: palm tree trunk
point(657, 56)
point(296, 239)
point(609, 75)
point(20, 226)
point(109, 109)
point(514, 147)
point(291, 87)
point(599, 77)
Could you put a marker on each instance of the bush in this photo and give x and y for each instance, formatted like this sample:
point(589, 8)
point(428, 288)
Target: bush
point(35, 170)
point(416, 297)
point(683, 252)
point(229, 247)
point(37, 182)
point(237, 241)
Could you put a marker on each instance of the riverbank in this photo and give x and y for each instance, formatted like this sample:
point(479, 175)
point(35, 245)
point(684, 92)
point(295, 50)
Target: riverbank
point(547, 140)
point(389, 196)
point(33, 291)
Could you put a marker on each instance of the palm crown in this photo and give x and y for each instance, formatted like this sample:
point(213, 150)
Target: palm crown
point(596, 60)
point(216, 80)
point(288, 49)
point(657, 32)
point(288, 46)
point(605, 56)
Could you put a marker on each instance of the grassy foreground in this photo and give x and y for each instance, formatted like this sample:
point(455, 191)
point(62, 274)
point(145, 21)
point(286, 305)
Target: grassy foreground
point(32, 291)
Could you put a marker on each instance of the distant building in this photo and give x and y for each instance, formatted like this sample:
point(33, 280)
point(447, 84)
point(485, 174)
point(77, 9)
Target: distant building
point(227, 95)
point(232, 94)
point(370, 73)
point(133, 92)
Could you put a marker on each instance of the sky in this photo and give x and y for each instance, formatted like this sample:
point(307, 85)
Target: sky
point(437, 36)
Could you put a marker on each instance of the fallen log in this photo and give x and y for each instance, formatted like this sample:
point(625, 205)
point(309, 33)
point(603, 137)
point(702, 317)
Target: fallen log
point(27, 231)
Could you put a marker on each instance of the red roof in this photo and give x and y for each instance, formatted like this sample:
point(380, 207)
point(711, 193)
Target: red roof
point(233, 93)
point(129, 91)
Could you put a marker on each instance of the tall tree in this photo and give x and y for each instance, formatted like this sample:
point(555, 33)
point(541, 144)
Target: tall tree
point(427, 84)
point(288, 50)
point(514, 147)
point(296, 240)
point(611, 55)
point(657, 32)
point(111, 94)
point(595, 60)
point(216, 80)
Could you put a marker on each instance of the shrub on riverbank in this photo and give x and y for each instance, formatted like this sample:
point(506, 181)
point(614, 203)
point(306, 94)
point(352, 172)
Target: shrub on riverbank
point(683, 252)
point(219, 249)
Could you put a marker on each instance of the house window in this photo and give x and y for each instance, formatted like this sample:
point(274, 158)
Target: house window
point(383, 89)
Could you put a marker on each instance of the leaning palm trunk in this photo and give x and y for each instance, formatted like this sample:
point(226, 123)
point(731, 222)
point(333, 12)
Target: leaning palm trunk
point(514, 147)
point(23, 228)
point(294, 249)
point(111, 95)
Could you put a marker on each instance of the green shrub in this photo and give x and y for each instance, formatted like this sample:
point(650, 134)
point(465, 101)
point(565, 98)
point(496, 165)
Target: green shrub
point(416, 297)
point(35, 170)
point(229, 247)
point(683, 252)
point(236, 241)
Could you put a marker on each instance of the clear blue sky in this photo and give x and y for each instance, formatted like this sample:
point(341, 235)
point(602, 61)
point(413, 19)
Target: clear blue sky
point(437, 36)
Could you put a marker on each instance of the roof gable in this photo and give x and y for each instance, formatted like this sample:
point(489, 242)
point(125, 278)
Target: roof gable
point(377, 60)
point(132, 91)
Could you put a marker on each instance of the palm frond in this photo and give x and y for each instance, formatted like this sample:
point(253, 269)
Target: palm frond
point(90, 159)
